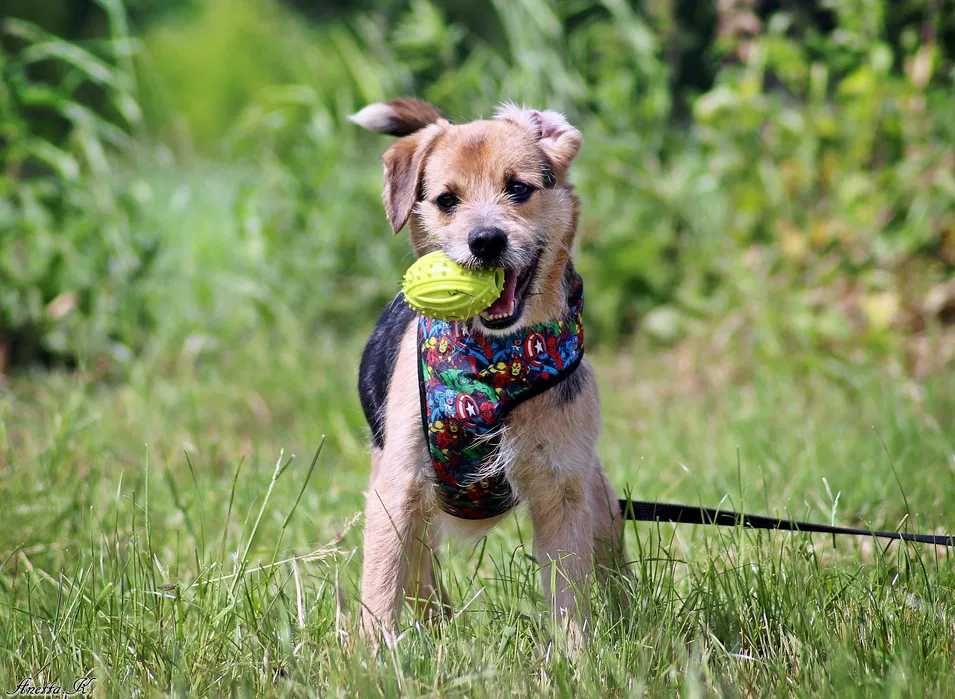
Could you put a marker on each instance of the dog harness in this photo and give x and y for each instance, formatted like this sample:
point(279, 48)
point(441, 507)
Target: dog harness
point(469, 382)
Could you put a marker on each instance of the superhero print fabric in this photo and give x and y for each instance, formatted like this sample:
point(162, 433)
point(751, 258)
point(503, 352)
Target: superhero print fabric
point(469, 382)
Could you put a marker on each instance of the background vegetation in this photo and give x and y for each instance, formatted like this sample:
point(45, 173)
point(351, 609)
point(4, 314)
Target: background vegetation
point(192, 249)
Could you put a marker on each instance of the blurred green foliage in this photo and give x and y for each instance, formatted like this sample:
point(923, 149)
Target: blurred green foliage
point(780, 171)
point(71, 254)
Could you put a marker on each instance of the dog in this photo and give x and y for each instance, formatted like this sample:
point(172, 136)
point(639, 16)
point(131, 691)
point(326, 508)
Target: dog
point(488, 193)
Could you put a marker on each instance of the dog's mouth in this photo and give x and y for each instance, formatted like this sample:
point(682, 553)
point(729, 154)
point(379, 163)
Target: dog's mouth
point(509, 306)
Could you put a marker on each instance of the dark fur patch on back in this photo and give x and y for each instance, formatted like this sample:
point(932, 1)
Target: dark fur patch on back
point(378, 364)
point(570, 388)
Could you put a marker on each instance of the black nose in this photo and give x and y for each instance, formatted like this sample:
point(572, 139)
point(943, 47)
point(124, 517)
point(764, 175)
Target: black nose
point(487, 244)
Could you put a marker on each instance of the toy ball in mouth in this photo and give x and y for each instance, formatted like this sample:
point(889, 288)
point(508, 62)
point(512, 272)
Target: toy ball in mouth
point(438, 287)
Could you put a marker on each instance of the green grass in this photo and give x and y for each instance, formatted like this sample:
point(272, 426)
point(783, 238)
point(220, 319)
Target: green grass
point(132, 547)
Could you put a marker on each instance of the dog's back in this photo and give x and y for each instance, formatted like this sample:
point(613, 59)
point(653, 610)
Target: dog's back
point(378, 364)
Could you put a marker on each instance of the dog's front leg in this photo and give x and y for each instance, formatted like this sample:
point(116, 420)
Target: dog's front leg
point(394, 529)
point(564, 547)
point(607, 518)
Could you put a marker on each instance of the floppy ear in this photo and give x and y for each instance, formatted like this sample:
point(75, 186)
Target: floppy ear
point(404, 165)
point(556, 137)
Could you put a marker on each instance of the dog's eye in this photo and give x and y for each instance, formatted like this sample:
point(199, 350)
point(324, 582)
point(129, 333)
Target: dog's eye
point(519, 191)
point(447, 201)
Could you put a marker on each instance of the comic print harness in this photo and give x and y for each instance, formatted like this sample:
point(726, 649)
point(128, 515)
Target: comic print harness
point(469, 382)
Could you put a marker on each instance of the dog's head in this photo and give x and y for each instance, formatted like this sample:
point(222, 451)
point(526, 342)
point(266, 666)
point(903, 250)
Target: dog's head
point(489, 193)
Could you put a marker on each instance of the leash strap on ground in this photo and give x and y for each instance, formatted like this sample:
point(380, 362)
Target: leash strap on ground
point(640, 511)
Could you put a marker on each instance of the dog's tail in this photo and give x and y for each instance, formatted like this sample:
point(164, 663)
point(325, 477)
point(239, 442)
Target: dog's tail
point(397, 117)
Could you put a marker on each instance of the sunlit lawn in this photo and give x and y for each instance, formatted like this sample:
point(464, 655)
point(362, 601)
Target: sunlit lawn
point(130, 505)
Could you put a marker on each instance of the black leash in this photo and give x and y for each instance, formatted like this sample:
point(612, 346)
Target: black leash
point(640, 511)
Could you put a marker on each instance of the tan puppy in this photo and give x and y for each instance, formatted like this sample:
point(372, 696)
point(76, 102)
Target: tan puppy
point(488, 193)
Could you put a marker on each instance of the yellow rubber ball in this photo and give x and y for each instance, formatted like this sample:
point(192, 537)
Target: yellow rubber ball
point(438, 287)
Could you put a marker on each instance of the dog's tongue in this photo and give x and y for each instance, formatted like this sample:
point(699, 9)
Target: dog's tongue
point(505, 302)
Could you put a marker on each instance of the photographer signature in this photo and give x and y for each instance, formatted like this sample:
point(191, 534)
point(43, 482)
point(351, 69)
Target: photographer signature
point(30, 688)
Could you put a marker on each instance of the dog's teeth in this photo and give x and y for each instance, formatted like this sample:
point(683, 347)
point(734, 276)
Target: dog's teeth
point(495, 316)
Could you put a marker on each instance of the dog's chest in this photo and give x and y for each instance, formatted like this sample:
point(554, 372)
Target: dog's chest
point(551, 434)
point(484, 397)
